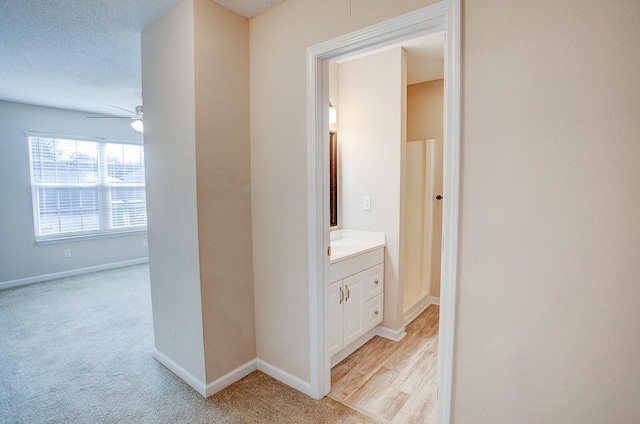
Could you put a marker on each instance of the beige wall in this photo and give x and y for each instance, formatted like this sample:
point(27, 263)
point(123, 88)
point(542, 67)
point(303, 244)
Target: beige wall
point(548, 296)
point(370, 154)
point(548, 287)
point(425, 107)
point(169, 102)
point(279, 39)
point(224, 187)
point(195, 80)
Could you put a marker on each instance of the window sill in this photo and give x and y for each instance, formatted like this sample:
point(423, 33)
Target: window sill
point(83, 237)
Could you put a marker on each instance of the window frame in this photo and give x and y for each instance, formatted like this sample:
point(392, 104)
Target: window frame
point(101, 186)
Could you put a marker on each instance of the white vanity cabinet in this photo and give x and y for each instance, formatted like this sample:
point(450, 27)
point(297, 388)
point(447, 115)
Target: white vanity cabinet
point(355, 304)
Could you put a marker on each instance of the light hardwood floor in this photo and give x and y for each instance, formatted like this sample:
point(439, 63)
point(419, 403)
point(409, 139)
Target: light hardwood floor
point(394, 382)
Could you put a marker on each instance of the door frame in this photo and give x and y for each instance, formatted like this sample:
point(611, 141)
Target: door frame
point(444, 15)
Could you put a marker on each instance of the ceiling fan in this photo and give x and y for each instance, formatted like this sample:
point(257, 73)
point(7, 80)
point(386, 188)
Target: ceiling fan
point(136, 117)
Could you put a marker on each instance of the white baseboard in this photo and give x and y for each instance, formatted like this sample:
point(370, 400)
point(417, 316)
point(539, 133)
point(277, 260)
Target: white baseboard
point(70, 273)
point(416, 310)
point(197, 384)
point(231, 377)
point(435, 300)
point(285, 377)
point(355, 345)
point(393, 335)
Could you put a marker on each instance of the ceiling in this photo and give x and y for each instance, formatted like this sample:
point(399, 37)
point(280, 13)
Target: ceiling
point(424, 57)
point(82, 54)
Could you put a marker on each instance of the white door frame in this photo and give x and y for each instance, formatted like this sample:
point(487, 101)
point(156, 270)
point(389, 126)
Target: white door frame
point(441, 16)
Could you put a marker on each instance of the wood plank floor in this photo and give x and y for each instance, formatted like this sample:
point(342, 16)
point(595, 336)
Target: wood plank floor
point(393, 382)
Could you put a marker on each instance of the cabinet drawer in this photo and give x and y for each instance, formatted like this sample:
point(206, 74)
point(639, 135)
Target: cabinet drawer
point(374, 281)
point(374, 311)
point(347, 267)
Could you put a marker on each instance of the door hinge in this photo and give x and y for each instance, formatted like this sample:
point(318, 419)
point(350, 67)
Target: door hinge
point(328, 250)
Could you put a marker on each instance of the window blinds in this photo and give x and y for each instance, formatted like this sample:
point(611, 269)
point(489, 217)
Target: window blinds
point(83, 187)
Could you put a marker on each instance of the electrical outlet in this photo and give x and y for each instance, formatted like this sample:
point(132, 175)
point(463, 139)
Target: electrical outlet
point(67, 253)
point(145, 242)
point(366, 203)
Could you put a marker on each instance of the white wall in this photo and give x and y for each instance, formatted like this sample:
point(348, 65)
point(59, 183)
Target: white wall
point(20, 257)
point(371, 158)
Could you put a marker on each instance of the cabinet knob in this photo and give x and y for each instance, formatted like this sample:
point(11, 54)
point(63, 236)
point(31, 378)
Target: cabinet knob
point(376, 312)
point(376, 281)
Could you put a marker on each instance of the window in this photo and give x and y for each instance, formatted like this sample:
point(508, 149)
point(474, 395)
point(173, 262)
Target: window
point(86, 188)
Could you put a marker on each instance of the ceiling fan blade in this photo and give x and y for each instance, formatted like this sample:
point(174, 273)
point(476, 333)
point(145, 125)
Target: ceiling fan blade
point(126, 110)
point(110, 117)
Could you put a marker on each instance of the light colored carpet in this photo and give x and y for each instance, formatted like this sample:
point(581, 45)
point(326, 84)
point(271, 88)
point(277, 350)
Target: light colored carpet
point(78, 350)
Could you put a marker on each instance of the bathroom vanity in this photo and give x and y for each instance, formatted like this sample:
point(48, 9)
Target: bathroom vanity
point(355, 299)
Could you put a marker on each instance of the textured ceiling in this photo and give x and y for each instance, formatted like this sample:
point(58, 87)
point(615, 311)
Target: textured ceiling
point(248, 8)
point(81, 54)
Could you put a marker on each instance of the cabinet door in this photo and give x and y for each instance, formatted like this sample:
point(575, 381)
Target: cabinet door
point(333, 310)
point(354, 308)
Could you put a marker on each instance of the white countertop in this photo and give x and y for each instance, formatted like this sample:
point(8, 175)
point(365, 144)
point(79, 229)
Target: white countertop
point(346, 244)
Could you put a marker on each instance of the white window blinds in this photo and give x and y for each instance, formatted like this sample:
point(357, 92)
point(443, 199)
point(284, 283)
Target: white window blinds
point(83, 187)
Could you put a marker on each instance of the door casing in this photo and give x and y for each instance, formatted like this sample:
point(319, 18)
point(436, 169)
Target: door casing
point(445, 16)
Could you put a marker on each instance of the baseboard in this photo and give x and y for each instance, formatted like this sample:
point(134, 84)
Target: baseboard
point(352, 347)
point(197, 384)
point(435, 300)
point(284, 377)
point(231, 377)
point(70, 273)
point(416, 310)
point(393, 335)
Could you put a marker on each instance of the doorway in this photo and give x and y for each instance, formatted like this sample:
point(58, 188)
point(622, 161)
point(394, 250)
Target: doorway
point(444, 16)
point(389, 113)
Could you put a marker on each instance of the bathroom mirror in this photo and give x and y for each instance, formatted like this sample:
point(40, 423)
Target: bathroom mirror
point(333, 177)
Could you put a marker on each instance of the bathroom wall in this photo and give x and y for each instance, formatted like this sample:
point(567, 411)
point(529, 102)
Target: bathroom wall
point(334, 91)
point(372, 130)
point(425, 106)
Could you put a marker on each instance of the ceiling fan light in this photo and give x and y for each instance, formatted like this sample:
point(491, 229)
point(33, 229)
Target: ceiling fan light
point(137, 125)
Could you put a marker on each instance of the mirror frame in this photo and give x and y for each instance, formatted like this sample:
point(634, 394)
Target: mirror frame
point(333, 178)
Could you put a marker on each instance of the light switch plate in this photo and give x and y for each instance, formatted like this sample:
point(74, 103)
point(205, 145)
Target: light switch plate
point(366, 203)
